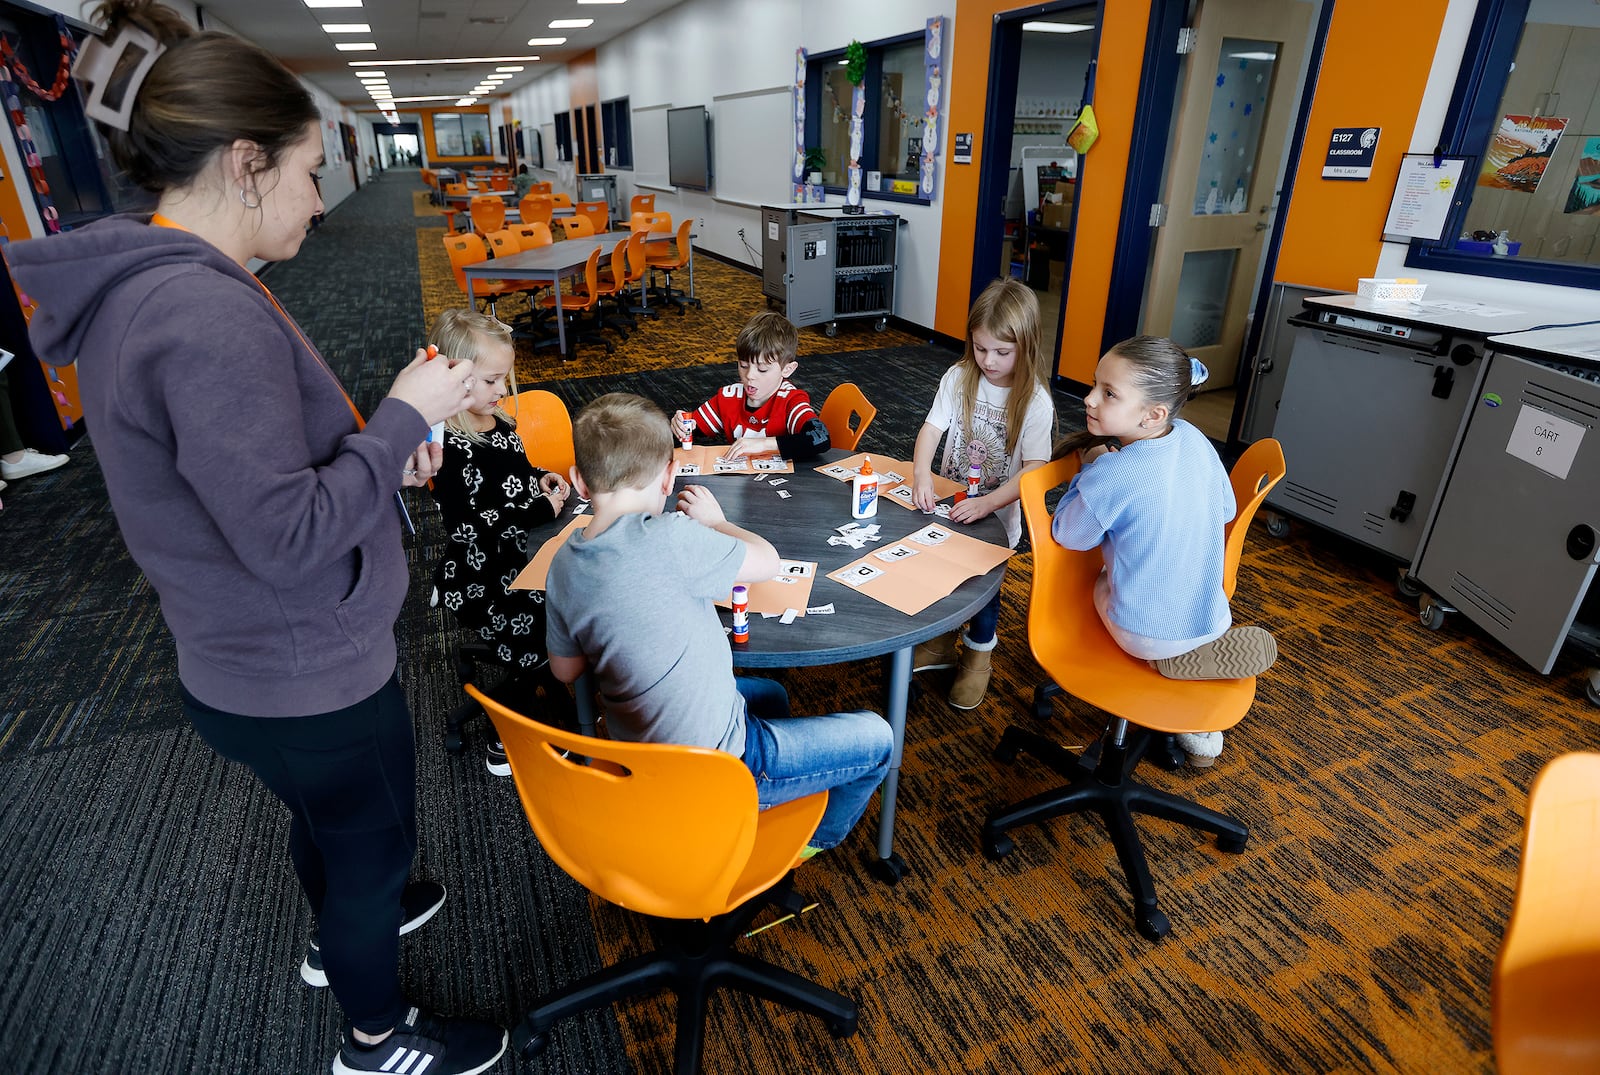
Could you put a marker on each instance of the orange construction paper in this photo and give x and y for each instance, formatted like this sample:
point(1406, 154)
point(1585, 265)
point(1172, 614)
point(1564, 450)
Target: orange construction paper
point(707, 456)
point(887, 469)
point(533, 576)
point(910, 575)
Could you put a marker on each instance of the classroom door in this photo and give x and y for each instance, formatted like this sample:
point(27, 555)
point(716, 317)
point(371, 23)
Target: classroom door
point(1234, 114)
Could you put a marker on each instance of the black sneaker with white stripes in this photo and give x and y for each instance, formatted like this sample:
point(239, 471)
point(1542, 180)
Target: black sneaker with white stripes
point(419, 902)
point(496, 759)
point(428, 1044)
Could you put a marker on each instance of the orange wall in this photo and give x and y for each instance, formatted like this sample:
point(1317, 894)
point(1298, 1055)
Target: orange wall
point(1333, 233)
point(583, 84)
point(1121, 58)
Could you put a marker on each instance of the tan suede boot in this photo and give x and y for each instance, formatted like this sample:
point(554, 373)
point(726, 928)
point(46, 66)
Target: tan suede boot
point(972, 680)
point(937, 652)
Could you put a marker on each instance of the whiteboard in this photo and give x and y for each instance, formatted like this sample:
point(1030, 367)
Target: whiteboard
point(650, 145)
point(753, 142)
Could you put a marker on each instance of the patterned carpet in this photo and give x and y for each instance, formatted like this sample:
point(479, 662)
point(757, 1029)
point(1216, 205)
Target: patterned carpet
point(152, 924)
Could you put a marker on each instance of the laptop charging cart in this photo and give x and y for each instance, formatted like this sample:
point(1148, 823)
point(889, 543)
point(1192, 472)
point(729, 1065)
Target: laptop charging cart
point(1514, 538)
point(820, 266)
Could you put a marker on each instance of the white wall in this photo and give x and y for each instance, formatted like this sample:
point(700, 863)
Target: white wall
point(1447, 58)
point(704, 49)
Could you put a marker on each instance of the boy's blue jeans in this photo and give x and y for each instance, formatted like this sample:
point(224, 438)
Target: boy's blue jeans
point(846, 754)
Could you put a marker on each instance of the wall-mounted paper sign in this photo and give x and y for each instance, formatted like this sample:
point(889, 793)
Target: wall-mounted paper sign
point(964, 149)
point(1350, 152)
point(1548, 442)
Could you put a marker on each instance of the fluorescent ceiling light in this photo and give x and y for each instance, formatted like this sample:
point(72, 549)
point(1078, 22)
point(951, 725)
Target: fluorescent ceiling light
point(440, 63)
point(602, 1)
point(333, 3)
point(436, 97)
point(346, 28)
point(510, 68)
point(465, 101)
point(571, 24)
point(356, 46)
point(547, 41)
point(370, 74)
point(1057, 27)
point(1252, 55)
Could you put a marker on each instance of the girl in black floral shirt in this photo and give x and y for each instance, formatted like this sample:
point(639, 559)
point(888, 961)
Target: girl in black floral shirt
point(491, 498)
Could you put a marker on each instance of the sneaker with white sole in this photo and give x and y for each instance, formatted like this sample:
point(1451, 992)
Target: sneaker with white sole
point(419, 902)
point(496, 759)
point(426, 1043)
point(31, 463)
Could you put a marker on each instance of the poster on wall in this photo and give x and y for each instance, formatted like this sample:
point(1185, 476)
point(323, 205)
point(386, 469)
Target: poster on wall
point(1520, 151)
point(1584, 197)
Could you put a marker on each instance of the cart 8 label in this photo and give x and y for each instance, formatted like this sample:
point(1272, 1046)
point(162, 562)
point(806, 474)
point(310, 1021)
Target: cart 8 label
point(1548, 442)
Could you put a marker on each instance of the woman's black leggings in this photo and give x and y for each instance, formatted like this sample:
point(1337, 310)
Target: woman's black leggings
point(349, 779)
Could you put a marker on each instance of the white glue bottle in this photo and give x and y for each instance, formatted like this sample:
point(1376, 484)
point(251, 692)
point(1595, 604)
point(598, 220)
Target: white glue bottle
point(864, 492)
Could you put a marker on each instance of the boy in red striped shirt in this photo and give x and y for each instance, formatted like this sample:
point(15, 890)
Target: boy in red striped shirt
point(763, 412)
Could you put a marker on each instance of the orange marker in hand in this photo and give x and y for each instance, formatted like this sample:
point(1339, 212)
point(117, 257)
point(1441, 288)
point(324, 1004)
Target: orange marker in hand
point(436, 431)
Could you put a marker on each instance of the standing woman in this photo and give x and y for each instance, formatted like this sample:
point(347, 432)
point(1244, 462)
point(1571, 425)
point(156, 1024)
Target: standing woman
point(247, 489)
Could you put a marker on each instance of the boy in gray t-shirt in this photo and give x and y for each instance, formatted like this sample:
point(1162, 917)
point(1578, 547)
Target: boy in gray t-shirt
point(632, 596)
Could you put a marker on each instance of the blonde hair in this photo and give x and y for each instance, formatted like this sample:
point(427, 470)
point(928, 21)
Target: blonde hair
point(1009, 312)
point(461, 333)
point(621, 441)
point(768, 335)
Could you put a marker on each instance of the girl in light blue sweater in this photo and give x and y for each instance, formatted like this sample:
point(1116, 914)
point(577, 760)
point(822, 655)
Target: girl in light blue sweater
point(1154, 497)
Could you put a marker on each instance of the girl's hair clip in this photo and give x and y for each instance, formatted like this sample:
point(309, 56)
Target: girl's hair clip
point(1197, 372)
point(115, 70)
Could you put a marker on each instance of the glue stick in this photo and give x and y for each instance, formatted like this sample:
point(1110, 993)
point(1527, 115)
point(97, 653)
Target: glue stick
point(864, 492)
point(435, 431)
point(974, 479)
point(685, 425)
point(741, 614)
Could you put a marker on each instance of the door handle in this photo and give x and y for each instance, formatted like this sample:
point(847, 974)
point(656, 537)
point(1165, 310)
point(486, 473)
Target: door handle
point(1261, 225)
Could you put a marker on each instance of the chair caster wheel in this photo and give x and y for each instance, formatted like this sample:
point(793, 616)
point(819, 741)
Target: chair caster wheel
point(453, 742)
point(529, 1044)
point(996, 845)
point(1232, 844)
point(842, 1028)
point(888, 870)
point(1152, 924)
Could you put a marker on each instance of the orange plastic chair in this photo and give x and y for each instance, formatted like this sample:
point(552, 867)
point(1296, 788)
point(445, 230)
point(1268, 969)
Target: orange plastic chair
point(499, 182)
point(667, 264)
point(456, 189)
point(672, 832)
point(539, 188)
point(846, 403)
point(562, 201)
point(1547, 978)
point(576, 302)
point(577, 227)
point(545, 426)
point(488, 214)
point(1072, 645)
point(504, 243)
point(609, 285)
point(660, 222)
point(599, 215)
point(532, 236)
point(536, 209)
point(467, 249)
point(633, 272)
point(641, 203)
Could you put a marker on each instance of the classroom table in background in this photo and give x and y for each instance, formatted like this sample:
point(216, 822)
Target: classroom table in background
point(860, 627)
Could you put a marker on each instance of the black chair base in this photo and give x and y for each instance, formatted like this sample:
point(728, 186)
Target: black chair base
point(528, 691)
point(693, 959)
point(1102, 780)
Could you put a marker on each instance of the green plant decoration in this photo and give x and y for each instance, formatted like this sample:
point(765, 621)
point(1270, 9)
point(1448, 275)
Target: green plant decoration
point(855, 68)
point(816, 159)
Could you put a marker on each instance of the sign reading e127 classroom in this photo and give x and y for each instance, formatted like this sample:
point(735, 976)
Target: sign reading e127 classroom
point(1350, 152)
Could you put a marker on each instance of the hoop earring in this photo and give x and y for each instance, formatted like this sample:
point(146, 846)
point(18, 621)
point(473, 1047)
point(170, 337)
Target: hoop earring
point(248, 204)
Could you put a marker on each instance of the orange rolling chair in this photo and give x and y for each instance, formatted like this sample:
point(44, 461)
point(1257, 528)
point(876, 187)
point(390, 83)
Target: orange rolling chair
point(652, 221)
point(641, 203)
point(599, 215)
point(577, 227)
point(608, 286)
point(456, 188)
point(1547, 978)
point(634, 273)
point(545, 428)
point(669, 263)
point(845, 404)
point(674, 833)
point(467, 249)
point(1072, 645)
point(504, 243)
point(488, 213)
point(536, 209)
point(532, 236)
point(562, 201)
point(576, 302)
point(499, 182)
point(539, 188)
